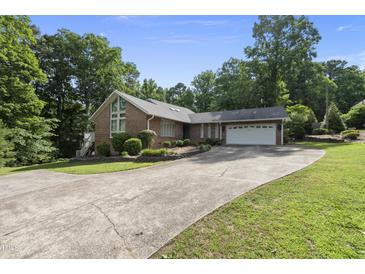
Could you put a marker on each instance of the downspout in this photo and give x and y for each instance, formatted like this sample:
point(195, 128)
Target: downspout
point(148, 121)
point(282, 132)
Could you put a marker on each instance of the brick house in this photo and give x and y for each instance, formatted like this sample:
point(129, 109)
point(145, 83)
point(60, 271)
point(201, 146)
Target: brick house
point(121, 112)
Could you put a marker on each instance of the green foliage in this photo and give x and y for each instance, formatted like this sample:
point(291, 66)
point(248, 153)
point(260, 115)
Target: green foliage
point(320, 131)
point(6, 147)
point(166, 144)
point(283, 49)
point(334, 119)
point(32, 141)
point(187, 142)
point(19, 71)
point(147, 137)
point(205, 147)
point(179, 143)
point(124, 154)
point(204, 89)
point(103, 149)
point(301, 121)
point(118, 141)
point(355, 117)
point(212, 141)
point(133, 146)
point(156, 152)
point(150, 90)
point(173, 143)
point(350, 134)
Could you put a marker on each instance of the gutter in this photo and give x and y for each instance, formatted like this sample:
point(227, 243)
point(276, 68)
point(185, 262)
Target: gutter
point(148, 121)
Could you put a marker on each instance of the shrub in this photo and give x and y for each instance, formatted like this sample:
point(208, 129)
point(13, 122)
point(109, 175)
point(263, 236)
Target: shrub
point(173, 143)
point(147, 137)
point(156, 152)
point(205, 147)
point(301, 120)
point(118, 141)
point(133, 146)
point(103, 149)
point(6, 147)
point(187, 142)
point(212, 142)
point(355, 117)
point(334, 119)
point(320, 131)
point(124, 154)
point(350, 134)
point(179, 143)
point(166, 144)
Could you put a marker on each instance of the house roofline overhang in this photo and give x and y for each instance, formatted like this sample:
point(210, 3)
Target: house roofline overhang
point(245, 120)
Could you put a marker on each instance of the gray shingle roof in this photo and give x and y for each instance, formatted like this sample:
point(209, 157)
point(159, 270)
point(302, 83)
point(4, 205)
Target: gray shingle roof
point(268, 113)
point(185, 115)
point(160, 109)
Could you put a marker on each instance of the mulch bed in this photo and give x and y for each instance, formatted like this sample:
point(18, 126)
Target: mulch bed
point(182, 152)
point(324, 138)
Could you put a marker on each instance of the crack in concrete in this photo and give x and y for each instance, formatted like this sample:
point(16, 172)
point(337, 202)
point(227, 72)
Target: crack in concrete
point(224, 171)
point(114, 228)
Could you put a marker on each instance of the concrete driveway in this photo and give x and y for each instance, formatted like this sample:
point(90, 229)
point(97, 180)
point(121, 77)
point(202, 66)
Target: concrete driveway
point(130, 214)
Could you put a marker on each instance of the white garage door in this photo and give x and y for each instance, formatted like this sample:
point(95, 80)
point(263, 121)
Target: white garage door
point(252, 134)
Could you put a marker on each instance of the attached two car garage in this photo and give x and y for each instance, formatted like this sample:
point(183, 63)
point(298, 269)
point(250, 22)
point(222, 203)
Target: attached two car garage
point(251, 134)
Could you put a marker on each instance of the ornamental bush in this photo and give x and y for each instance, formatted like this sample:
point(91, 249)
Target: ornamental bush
point(301, 120)
point(103, 149)
point(205, 147)
point(156, 152)
point(147, 137)
point(179, 143)
point(166, 144)
point(133, 146)
point(350, 134)
point(355, 117)
point(173, 143)
point(187, 142)
point(334, 119)
point(118, 141)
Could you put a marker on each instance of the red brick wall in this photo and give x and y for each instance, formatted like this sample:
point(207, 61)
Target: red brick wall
point(102, 127)
point(135, 119)
point(156, 126)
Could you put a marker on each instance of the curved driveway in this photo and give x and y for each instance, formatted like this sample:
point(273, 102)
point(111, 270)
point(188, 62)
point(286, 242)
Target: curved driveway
point(130, 214)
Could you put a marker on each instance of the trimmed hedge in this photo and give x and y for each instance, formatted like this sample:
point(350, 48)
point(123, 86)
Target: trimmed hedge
point(187, 142)
point(118, 141)
point(179, 143)
point(166, 144)
point(156, 152)
point(103, 149)
point(205, 147)
point(147, 137)
point(133, 146)
point(350, 134)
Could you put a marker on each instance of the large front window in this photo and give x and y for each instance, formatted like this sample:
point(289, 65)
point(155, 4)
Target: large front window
point(117, 116)
point(167, 128)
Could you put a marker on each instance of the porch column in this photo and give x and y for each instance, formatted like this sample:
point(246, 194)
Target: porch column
point(282, 132)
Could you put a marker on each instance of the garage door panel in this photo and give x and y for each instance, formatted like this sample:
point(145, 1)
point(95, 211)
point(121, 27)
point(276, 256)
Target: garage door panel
point(254, 134)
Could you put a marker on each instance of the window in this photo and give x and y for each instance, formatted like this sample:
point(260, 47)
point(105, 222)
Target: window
point(201, 130)
point(167, 128)
point(117, 116)
point(209, 131)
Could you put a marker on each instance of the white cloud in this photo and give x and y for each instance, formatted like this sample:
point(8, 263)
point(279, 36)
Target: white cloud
point(345, 27)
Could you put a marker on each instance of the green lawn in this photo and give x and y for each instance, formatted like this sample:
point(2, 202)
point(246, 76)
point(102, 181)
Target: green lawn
point(79, 167)
point(318, 212)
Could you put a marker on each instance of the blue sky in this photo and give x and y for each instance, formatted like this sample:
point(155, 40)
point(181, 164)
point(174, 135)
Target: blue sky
point(172, 49)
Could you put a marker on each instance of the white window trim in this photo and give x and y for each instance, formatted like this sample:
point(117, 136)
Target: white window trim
point(167, 128)
point(201, 131)
point(209, 131)
point(118, 118)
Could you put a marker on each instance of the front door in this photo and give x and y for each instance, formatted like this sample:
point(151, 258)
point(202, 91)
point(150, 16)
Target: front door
point(186, 131)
